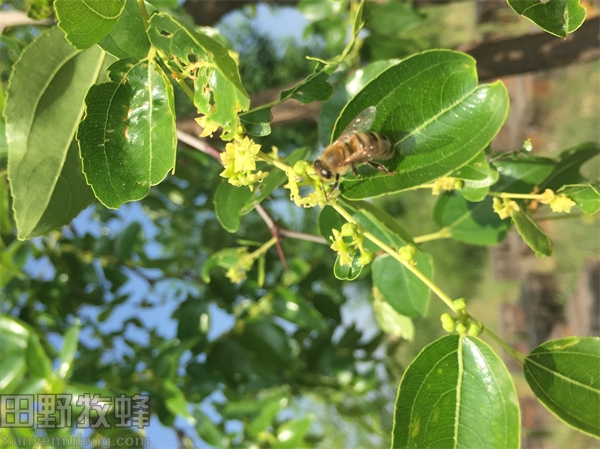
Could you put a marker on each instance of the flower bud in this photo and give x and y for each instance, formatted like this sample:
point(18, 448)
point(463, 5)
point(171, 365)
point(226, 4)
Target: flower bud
point(448, 322)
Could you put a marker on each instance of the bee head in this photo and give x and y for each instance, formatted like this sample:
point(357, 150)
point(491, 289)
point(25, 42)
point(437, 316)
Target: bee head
point(322, 171)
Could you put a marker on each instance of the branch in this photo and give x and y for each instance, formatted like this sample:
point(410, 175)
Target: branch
point(534, 52)
point(19, 18)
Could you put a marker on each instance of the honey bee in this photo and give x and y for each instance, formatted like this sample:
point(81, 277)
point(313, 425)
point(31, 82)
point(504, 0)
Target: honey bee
point(355, 146)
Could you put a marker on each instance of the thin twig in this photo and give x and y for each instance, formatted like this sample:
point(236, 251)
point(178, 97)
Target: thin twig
point(275, 231)
point(199, 145)
point(302, 236)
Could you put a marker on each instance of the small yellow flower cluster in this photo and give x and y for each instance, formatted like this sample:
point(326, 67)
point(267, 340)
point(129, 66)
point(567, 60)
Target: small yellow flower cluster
point(505, 207)
point(407, 253)
point(463, 323)
point(237, 273)
point(347, 249)
point(446, 183)
point(239, 159)
point(207, 125)
point(303, 174)
point(558, 203)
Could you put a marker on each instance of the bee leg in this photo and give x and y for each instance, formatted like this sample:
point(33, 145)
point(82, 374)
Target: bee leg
point(334, 186)
point(355, 171)
point(381, 168)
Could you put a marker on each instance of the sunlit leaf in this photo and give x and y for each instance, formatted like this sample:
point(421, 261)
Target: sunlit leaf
point(86, 22)
point(228, 201)
point(456, 393)
point(565, 376)
point(128, 38)
point(432, 108)
point(390, 321)
point(586, 196)
point(128, 137)
point(567, 168)
point(558, 17)
point(13, 350)
point(50, 80)
point(347, 272)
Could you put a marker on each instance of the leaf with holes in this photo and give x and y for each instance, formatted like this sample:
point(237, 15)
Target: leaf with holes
point(128, 137)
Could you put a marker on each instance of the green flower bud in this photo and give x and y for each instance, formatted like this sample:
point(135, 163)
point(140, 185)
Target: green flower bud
point(407, 252)
point(366, 258)
point(460, 304)
point(461, 328)
point(349, 229)
point(448, 322)
point(475, 329)
point(300, 167)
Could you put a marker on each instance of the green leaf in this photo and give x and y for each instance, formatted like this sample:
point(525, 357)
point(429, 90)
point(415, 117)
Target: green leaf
point(563, 374)
point(11, 46)
point(13, 350)
point(69, 347)
point(225, 258)
point(400, 288)
point(128, 138)
point(566, 170)
point(329, 219)
point(474, 223)
point(456, 393)
point(37, 361)
point(477, 169)
point(586, 196)
point(86, 23)
point(558, 17)
point(127, 240)
point(43, 107)
point(476, 191)
point(390, 321)
point(391, 18)
point(219, 92)
point(257, 122)
point(229, 201)
point(314, 88)
point(522, 175)
point(290, 435)
point(295, 309)
point(376, 214)
point(175, 401)
point(128, 38)
point(439, 119)
point(347, 272)
point(532, 234)
point(319, 9)
point(268, 343)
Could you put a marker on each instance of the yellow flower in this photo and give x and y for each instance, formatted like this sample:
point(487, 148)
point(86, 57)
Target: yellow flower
point(446, 183)
point(547, 197)
point(562, 203)
point(505, 208)
point(208, 126)
point(339, 246)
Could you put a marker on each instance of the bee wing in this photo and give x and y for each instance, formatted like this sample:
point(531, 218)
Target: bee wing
point(361, 123)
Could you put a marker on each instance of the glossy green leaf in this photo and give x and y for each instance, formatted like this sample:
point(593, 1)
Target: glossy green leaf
point(565, 376)
point(477, 169)
point(558, 17)
point(476, 191)
point(128, 138)
point(38, 361)
point(219, 92)
point(400, 288)
point(225, 258)
point(439, 119)
point(532, 234)
point(390, 321)
point(69, 348)
point(257, 122)
point(375, 213)
point(586, 196)
point(13, 350)
point(456, 393)
point(474, 223)
point(86, 22)
point(49, 81)
point(228, 201)
point(128, 38)
point(347, 272)
point(567, 168)
point(354, 84)
point(522, 175)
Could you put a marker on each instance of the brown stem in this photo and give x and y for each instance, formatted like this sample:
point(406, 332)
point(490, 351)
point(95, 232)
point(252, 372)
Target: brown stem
point(275, 231)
